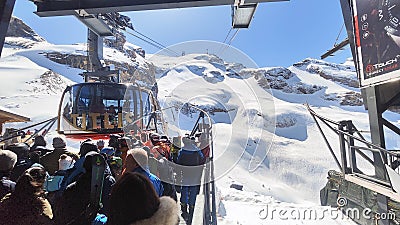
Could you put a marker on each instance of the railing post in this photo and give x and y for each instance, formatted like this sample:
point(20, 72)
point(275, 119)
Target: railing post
point(342, 140)
point(352, 151)
point(206, 190)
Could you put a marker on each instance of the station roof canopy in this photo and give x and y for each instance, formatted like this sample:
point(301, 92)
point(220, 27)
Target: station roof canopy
point(47, 8)
point(7, 116)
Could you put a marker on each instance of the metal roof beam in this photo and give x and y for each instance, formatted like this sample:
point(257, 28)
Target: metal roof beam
point(94, 23)
point(62, 8)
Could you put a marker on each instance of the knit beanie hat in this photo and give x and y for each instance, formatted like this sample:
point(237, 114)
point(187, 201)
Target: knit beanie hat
point(39, 141)
point(7, 160)
point(58, 142)
point(109, 151)
point(65, 162)
point(86, 147)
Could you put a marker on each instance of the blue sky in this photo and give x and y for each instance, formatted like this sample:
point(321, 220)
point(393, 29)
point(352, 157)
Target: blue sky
point(281, 33)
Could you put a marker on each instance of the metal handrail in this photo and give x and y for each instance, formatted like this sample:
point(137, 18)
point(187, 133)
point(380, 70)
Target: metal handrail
point(347, 134)
point(210, 210)
point(49, 121)
point(382, 152)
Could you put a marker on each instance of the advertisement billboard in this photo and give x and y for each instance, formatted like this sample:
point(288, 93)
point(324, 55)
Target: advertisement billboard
point(377, 40)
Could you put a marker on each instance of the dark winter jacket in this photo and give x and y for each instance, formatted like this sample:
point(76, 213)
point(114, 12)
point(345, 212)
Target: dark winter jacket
point(73, 203)
point(50, 160)
point(191, 157)
point(20, 168)
point(76, 199)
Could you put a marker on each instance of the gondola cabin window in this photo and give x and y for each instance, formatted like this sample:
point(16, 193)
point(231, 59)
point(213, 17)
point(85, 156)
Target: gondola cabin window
point(104, 107)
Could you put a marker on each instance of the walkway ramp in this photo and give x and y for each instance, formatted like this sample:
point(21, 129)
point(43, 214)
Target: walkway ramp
point(198, 210)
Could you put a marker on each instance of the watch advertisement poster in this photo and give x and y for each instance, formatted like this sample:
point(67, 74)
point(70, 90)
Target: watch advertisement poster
point(377, 40)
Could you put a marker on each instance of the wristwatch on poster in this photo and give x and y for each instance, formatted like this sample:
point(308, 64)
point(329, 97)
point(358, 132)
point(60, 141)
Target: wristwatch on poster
point(389, 14)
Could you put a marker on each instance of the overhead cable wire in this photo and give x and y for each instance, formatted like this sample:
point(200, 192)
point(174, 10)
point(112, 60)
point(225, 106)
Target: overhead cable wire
point(151, 39)
point(338, 35)
point(152, 42)
point(226, 38)
point(230, 42)
point(158, 43)
point(122, 22)
point(233, 37)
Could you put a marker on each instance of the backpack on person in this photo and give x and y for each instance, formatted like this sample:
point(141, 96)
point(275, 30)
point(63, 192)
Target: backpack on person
point(57, 183)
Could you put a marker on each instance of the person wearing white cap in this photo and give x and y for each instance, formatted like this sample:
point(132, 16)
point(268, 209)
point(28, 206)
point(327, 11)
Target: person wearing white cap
point(65, 162)
point(7, 163)
point(50, 160)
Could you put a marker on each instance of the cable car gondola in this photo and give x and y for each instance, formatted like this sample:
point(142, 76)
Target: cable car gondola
point(95, 108)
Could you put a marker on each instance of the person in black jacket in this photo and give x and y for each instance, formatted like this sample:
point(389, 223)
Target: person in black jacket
point(74, 206)
point(23, 160)
point(191, 157)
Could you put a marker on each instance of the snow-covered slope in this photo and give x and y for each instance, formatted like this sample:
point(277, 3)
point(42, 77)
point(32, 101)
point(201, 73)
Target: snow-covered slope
point(264, 137)
point(297, 163)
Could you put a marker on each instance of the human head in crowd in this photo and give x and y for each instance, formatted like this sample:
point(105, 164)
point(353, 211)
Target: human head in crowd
point(189, 143)
point(65, 162)
point(186, 140)
point(27, 204)
point(165, 139)
point(100, 144)
point(34, 157)
point(123, 148)
point(87, 164)
point(59, 143)
point(108, 151)
point(21, 149)
point(155, 138)
point(135, 157)
point(134, 201)
point(123, 142)
point(113, 142)
point(176, 141)
point(136, 143)
point(115, 164)
point(87, 146)
point(8, 159)
point(39, 141)
point(31, 181)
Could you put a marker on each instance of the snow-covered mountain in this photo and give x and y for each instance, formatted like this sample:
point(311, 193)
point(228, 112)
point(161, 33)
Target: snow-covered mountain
point(258, 112)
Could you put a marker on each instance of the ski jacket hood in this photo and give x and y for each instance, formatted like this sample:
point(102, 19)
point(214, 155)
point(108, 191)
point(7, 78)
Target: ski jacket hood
point(167, 214)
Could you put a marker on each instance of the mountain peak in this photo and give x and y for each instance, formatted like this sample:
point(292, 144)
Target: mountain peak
point(17, 28)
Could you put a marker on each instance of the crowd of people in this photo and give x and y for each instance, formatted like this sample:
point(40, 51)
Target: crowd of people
point(139, 184)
